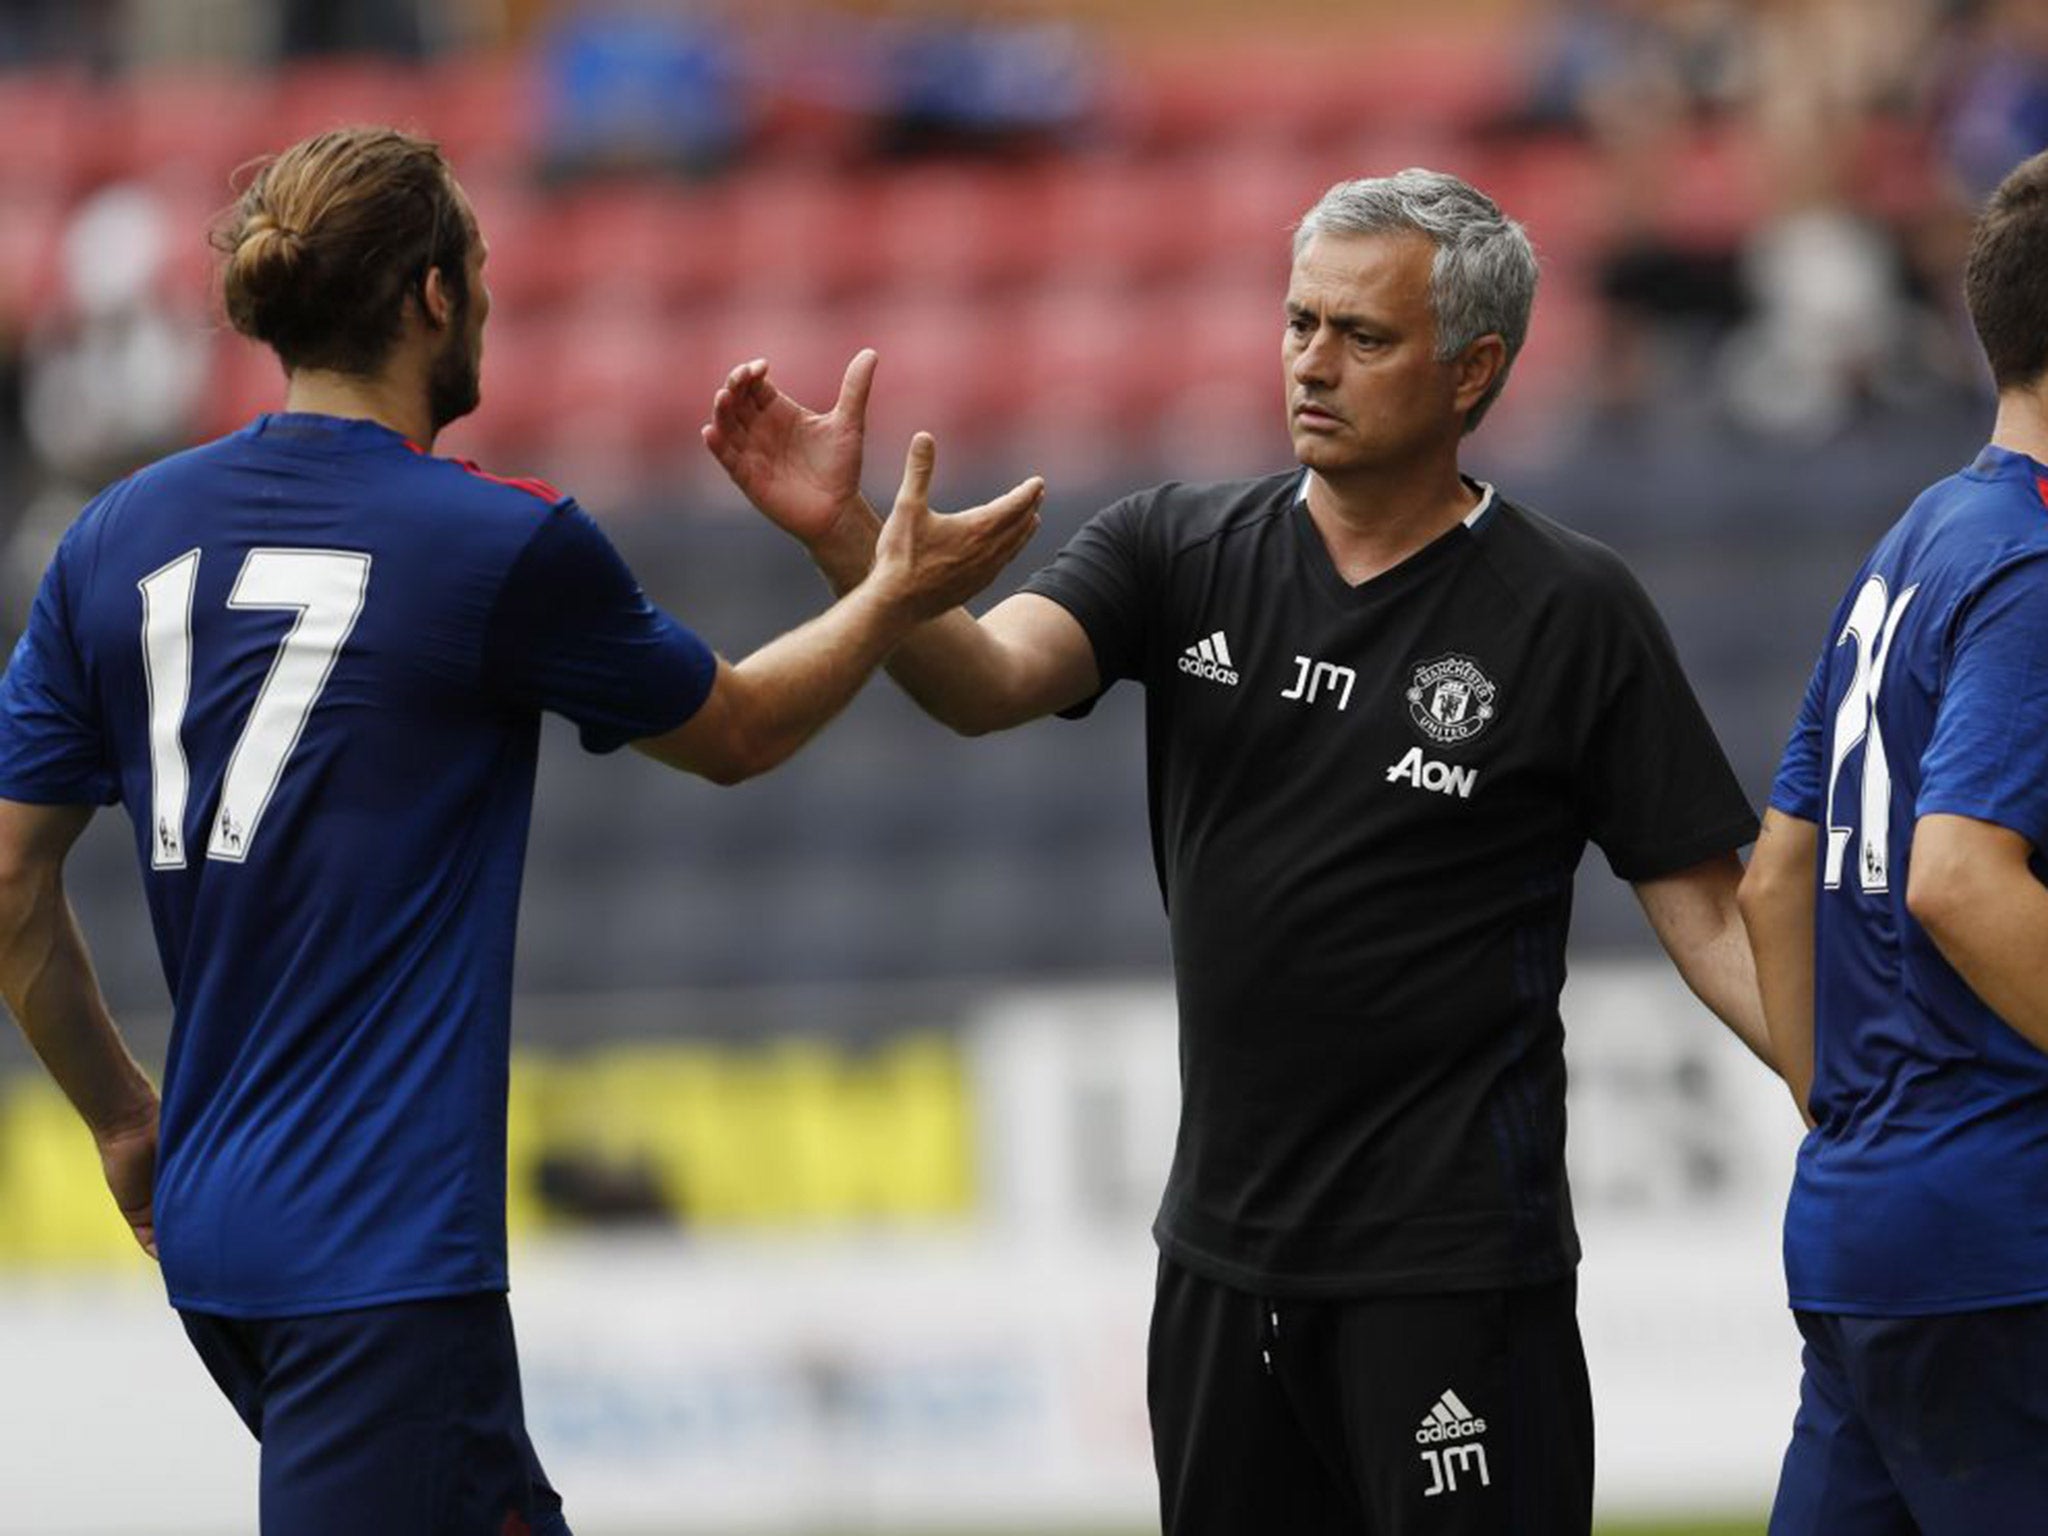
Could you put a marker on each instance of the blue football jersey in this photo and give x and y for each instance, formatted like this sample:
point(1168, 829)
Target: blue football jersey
point(310, 660)
point(1924, 1186)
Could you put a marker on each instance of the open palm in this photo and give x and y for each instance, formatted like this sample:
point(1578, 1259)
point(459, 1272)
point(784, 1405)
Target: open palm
point(799, 467)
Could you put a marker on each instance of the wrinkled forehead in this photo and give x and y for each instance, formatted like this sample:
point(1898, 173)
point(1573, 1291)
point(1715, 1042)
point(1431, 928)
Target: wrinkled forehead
point(1388, 270)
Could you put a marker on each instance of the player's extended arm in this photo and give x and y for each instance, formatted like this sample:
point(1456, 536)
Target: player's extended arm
point(1026, 658)
point(46, 975)
point(1777, 909)
point(1974, 891)
point(1695, 918)
point(760, 711)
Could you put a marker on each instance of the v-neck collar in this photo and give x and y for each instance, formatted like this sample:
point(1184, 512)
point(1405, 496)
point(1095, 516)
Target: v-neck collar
point(1403, 573)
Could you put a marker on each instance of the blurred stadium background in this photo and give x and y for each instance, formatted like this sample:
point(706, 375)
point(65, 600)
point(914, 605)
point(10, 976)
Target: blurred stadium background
point(842, 1098)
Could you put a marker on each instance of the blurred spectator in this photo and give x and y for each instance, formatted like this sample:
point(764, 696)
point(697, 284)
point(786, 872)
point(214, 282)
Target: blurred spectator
point(1831, 330)
point(1609, 67)
point(641, 88)
point(310, 28)
point(111, 371)
point(1750, 226)
point(1638, 80)
point(985, 82)
point(60, 31)
point(1997, 109)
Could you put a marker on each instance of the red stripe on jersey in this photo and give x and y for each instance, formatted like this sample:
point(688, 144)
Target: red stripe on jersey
point(2041, 486)
point(532, 485)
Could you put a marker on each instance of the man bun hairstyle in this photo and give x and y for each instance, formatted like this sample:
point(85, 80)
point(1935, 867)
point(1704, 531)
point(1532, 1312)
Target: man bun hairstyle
point(1483, 281)
point(330, 237)
point(2006, 281)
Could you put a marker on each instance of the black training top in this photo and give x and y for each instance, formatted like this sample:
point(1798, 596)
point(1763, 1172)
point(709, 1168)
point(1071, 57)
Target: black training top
point(1367, 803)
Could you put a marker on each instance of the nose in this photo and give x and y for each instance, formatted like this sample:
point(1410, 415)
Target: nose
point(1314, 357)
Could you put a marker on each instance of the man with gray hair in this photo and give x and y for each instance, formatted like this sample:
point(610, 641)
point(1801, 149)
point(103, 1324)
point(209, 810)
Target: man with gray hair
point(1386, 709)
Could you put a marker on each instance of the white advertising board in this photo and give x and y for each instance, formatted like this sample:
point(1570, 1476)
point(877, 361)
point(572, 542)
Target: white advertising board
point(989, 1376)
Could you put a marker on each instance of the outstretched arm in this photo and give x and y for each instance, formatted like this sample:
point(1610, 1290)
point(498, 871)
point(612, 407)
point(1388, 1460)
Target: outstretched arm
point(1695, 918)
point(1026, 658)
point(1777, 912)
point(924, 563)
point(47, 978)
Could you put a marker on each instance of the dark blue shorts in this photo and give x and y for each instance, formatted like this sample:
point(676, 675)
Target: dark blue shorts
point(404, 1420)
point(1919, 1426)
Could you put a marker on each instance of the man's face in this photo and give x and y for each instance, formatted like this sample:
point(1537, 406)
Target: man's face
point(455, 381)
point(1364, 388)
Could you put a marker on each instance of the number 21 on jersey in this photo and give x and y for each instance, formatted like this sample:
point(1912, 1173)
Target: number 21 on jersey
point(1873, 621)
point(325, 589)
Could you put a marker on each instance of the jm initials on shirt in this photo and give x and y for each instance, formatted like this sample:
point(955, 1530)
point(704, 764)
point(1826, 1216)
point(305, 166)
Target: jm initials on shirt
point(1320, 679)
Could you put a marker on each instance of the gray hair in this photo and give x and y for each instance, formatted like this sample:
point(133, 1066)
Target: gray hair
point(1483, 281)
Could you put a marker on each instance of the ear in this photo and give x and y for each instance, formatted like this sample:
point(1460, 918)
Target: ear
point(1477, 367)
point(436, 300)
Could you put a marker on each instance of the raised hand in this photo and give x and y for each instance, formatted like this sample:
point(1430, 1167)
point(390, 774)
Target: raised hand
point(799, 467)
point(934, 561)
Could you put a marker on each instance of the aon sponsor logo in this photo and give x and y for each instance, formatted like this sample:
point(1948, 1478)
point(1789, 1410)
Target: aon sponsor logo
point(1427, 773)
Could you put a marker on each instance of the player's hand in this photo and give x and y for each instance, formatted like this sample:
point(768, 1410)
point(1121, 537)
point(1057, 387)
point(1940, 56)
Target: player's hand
point(128, 1158)
point(932, 561)
point(800, 468)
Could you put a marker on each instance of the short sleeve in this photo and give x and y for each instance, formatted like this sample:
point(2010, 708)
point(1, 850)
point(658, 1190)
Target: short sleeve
point(1797, 789)
point(1657, 793)
point(1987, 756)
point(52, 750)
point(1099, 577)
point(573, 633)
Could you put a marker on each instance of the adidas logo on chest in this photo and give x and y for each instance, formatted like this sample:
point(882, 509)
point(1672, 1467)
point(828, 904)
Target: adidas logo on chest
point(1209, 659)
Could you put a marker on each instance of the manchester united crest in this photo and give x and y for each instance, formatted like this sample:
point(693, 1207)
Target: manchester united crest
point(1450, 699)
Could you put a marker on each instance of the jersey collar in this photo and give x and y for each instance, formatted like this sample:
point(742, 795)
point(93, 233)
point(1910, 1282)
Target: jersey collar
point(1472, 519)
point(1996, 463)
point(356, 431)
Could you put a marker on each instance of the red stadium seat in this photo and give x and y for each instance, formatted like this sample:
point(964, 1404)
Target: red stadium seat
point(313, 97)
point(529, 266)
point(806, 345)
point(1451, 78)
point(1558, 188)
point(484, 109)
point(626, 384)
point(1895, 171)
point(651, 235)
point(191, 206)
point(1191, 92)
point(1242, 204)
point(1122, 220)
point(1230, 322)
point(948, 367)
point(1714, 190)
point(31, 223)
point(962, 227)
point(521, 349)
point(54, 139)
point(1091, 346)
point(799, 233)
point(201, 124)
